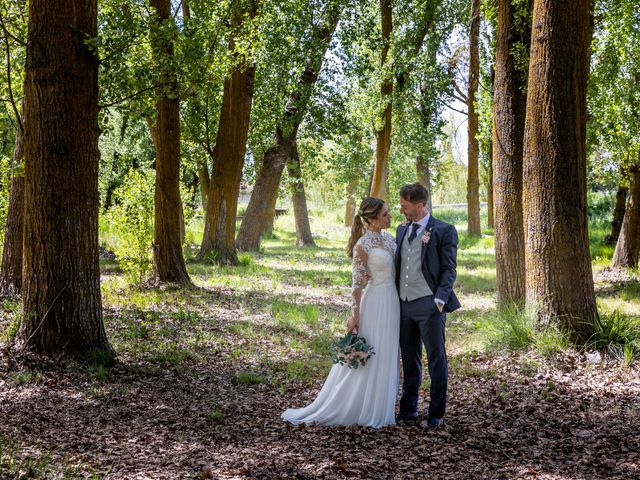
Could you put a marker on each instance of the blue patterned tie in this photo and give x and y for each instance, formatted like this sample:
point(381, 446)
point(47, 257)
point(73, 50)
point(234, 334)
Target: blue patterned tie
point(413, 235)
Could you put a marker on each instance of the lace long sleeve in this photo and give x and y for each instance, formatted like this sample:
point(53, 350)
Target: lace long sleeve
point(358, 276)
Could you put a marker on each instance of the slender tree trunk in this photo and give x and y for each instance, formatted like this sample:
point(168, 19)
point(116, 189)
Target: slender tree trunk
point(205, 184)
point(618, 215)
point(168, 261)
point(379, 184)
point(231, 143)
point(509, 111)
point(558, 264)
point(11, 271)
point(350, 204)
point(299, 200)
point(628, 245)
point(265, 190)
point(424, 177)
point(473, 176)
point(490, 212)
point(62, 308)
point(270, 217)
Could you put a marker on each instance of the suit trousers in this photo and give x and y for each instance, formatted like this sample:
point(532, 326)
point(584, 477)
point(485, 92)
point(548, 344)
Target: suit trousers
point(422, 323)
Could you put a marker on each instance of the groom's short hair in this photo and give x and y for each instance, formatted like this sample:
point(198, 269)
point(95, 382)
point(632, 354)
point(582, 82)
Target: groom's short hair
point(415, 193)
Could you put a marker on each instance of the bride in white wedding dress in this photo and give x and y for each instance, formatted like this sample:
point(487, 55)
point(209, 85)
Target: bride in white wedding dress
point(367, 395)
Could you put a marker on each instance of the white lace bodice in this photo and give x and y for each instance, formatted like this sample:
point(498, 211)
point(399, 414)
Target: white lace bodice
point(373, 254)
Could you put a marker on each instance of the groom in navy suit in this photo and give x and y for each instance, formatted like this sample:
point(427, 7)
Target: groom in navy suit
point(425, 271)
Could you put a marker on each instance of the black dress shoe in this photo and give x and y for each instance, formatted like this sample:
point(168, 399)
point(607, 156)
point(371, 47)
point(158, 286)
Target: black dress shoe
point(435, 423)
point(406, 418)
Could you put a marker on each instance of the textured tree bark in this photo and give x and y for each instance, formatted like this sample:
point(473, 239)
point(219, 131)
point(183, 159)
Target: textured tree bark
point(205, 184)
point(231, 142)
point(424, 177)
point(559, 281)
point(618, 215)
point(350, 204)
point(261, 209)
point(379, 183)
point(490, 212)
point(509, 111)
point(304, 238)
point(168, 261)
point(270, 217)
point(473, 176)
point(62, 308)
point(11, 270)
point(628, 245)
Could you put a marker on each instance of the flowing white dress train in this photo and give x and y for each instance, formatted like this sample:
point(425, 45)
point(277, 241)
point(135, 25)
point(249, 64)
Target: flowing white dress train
point(367, 395)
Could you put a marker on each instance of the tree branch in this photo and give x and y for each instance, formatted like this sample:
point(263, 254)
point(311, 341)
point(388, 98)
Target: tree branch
point(463, 97)
point(133, 95)
point(10, 35)
point(454, 109)
point(13, 102)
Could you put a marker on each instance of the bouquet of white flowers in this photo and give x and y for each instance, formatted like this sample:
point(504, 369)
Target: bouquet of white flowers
point(351, 350)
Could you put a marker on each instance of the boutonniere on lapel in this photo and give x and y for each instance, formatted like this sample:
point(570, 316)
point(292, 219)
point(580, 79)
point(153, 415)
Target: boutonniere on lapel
point(426, 236)
point(404, 223)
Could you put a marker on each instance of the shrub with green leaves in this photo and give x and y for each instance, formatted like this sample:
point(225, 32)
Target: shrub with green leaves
point(131, 219)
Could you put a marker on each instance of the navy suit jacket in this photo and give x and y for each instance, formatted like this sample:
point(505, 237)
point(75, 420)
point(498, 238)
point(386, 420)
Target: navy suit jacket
point(438, 260)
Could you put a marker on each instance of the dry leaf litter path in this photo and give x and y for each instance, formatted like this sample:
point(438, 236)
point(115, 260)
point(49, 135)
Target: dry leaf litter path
point(512, 416)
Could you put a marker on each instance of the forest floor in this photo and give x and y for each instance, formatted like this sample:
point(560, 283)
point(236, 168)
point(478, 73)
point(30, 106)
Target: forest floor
point(203, 375)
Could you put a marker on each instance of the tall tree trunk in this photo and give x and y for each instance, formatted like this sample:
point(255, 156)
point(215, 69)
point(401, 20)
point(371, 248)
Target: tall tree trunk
point(205, 184)
point(62, 308)
point(11, 270)
point(270, 216)
point(424, 177)
point(558, 264)
point(473, 176)
point(231, 143)
point(299, 200)
point(379, 184)
point(628, 245)
point(168, 261)
point(490, 212)
point(265, 190)
point(509, 111)
point(350, 204)
point(618, 215)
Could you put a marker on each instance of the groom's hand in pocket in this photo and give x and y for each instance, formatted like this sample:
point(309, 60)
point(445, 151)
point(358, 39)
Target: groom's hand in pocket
point(439, 304)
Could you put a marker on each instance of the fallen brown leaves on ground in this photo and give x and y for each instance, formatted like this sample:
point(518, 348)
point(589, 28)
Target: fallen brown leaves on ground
point(511, 416)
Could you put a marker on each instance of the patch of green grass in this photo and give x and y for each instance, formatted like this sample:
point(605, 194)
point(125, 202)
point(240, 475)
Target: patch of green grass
point(99, 363)
point(243, 328)
point(307, 370)
point(618, 334)
point(14, 464)
point(514, 329)
point(551, 341)
point(292, 317)
point(630, 292)
point(510, 329)
point(26, 377)
point(464, 367)
point(248, 378)
point(215, 417)
point(10, 332)
point(173, 354)
point(98, 373)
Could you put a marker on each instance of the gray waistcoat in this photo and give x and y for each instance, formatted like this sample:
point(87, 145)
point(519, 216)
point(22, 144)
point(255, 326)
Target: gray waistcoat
point(412, 282)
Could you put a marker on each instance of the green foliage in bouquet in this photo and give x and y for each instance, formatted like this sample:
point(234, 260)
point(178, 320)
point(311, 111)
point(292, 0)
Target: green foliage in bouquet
point(351, 350)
